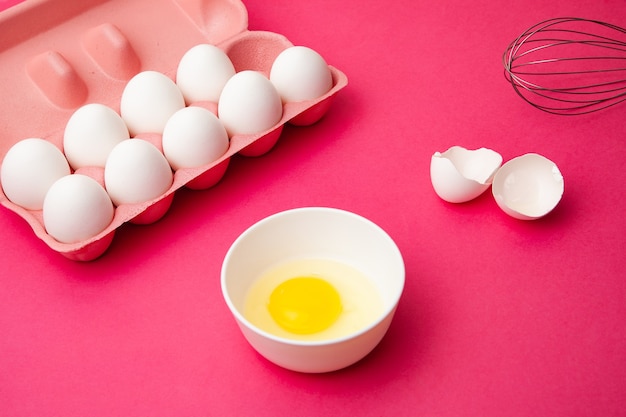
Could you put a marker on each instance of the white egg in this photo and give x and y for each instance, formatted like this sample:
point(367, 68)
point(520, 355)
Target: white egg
point(90, 134)
point(459, 175)
point(202, 73)
point(148, 101)
point(249, 104)
point(136, 172)
point(29, 168)
point(76, 208)
point(193, 137)
point(360, 301)
point(300, 73)
point(528, 187)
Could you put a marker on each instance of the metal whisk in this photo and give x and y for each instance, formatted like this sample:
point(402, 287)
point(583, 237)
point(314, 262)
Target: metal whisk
point(569, 66)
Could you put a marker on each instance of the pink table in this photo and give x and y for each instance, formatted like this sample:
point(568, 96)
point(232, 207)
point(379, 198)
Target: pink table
point(499, 317)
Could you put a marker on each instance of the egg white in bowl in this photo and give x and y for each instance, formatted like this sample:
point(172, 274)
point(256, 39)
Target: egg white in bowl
point(312, 299)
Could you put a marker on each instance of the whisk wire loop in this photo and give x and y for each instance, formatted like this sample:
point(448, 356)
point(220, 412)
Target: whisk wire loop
point(568, 65)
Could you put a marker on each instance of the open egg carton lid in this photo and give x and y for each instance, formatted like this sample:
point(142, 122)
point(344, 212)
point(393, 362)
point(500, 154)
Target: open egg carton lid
point(56, 56)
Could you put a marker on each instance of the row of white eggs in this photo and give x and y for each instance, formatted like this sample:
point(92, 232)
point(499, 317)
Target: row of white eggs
point(248, 101)
point(36, 175)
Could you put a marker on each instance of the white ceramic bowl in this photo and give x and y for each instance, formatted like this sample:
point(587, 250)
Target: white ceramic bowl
point(314, 232)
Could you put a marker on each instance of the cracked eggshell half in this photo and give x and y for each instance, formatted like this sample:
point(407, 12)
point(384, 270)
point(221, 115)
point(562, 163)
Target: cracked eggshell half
point(459, 174)
point(528, 187)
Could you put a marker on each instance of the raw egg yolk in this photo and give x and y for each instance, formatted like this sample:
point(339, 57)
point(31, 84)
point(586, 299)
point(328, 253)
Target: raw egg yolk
point(305, 305)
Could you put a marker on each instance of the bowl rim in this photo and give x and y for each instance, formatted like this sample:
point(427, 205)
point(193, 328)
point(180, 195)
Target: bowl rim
point(387, 311)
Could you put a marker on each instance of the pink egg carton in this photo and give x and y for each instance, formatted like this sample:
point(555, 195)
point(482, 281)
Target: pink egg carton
point(58, 55)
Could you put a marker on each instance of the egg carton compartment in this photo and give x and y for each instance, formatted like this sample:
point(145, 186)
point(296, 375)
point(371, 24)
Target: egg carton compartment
point(57, 56)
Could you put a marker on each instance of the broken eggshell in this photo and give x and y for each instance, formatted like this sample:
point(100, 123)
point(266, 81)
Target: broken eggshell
point(459, 174)
point(528, 187)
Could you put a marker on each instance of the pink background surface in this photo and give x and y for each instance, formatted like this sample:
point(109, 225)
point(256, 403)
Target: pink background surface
point(499, 317)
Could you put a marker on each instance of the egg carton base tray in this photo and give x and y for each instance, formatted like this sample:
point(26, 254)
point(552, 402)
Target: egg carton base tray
point(45, 35)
